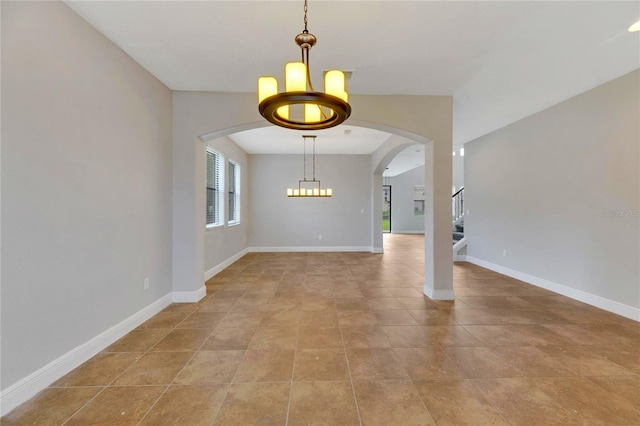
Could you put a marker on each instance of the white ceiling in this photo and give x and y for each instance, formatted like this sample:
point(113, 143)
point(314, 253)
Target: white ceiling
point(407, 159)
point(501, 61)
point(342, 139)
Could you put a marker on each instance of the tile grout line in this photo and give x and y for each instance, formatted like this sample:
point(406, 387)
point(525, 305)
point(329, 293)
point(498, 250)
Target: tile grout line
point(110, 384)
point(497, 409)
point(353, 387)
point(231, 383)
point(293, 370)
point(217, 412)
point(421, 399)
point(188, 361)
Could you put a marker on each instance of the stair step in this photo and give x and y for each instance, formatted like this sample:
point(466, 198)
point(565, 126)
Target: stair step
point(460, 227)
point(457, 236)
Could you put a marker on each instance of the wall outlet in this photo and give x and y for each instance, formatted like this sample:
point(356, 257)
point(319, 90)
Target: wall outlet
point(504, 253)
point(320, 237)
point(146, 283)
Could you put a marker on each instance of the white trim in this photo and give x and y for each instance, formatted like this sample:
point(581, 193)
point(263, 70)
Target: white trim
point(377, 250)
point(189, 296)
point(582, 296)
point(308, 249)
point(435, 294)
point(237, 192)
point(409, 231)
point(27, 387)
point(220, 183)
point(220, 266)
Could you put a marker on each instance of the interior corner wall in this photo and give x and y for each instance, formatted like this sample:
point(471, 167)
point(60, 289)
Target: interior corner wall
point(196, 114)
point(86, 178)
point(282, 223)
point(225, 242)
point(559, 191)
point(403, 219)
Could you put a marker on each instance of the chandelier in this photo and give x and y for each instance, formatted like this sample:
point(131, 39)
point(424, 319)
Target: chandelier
point(320, 110)
point(309, 192)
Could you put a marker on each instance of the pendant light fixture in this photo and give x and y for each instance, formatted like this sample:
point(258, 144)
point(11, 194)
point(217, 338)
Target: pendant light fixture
point(309, 192)
point(320, 110)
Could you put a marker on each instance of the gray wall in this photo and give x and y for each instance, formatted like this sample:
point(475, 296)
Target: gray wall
point(343, 220)
point(223, 242)
point(458, 170)
point(86, 185)
point(543, 189)
point(402, 218)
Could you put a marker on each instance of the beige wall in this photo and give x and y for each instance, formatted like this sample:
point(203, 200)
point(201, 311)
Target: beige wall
point(86, 185)
point(560, 192)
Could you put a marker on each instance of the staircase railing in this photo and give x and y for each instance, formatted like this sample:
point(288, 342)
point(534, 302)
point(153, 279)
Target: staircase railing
point(457, 201)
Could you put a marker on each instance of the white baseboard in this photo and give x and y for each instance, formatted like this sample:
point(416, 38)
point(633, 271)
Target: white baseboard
point(435, 294)
point(219, 267)
point(377, 250)
point(308, 249)
point(189, 296)
point(582, 296)
point(26, 388)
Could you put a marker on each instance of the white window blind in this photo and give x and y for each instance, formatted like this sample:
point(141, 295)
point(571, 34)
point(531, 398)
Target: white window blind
point(234, 193)
point(215, 188)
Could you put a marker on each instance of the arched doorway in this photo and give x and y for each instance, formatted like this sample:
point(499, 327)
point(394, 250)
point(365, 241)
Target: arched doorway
point(204, 116)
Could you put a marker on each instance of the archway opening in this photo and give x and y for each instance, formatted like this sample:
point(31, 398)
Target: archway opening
point(379, 160)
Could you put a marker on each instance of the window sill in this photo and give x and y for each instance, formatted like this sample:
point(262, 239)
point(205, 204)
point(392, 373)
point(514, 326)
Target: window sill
point(233, 224)
point(214, 227)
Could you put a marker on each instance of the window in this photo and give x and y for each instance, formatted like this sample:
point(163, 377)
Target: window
point(234, 193)
point(215, 188)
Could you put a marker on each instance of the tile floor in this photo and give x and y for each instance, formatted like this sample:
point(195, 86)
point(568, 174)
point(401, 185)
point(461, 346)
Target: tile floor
point(348, 339)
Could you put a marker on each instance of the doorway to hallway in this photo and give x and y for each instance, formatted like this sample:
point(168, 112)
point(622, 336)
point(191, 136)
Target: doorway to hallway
point(386, 208)
point(407, 250)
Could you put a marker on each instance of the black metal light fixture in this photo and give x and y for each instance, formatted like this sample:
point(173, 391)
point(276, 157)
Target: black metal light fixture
point(319, 110)
point(309, 192)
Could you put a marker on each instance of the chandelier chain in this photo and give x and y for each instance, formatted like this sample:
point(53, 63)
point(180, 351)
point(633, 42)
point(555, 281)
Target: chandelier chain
point(333, 107)
point(306, 8)
point(313, 157)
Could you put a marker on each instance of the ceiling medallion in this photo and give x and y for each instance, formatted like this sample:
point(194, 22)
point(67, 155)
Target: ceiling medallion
point(319, 110)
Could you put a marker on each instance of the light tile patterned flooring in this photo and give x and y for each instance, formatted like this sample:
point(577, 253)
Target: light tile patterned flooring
point(348, 339)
